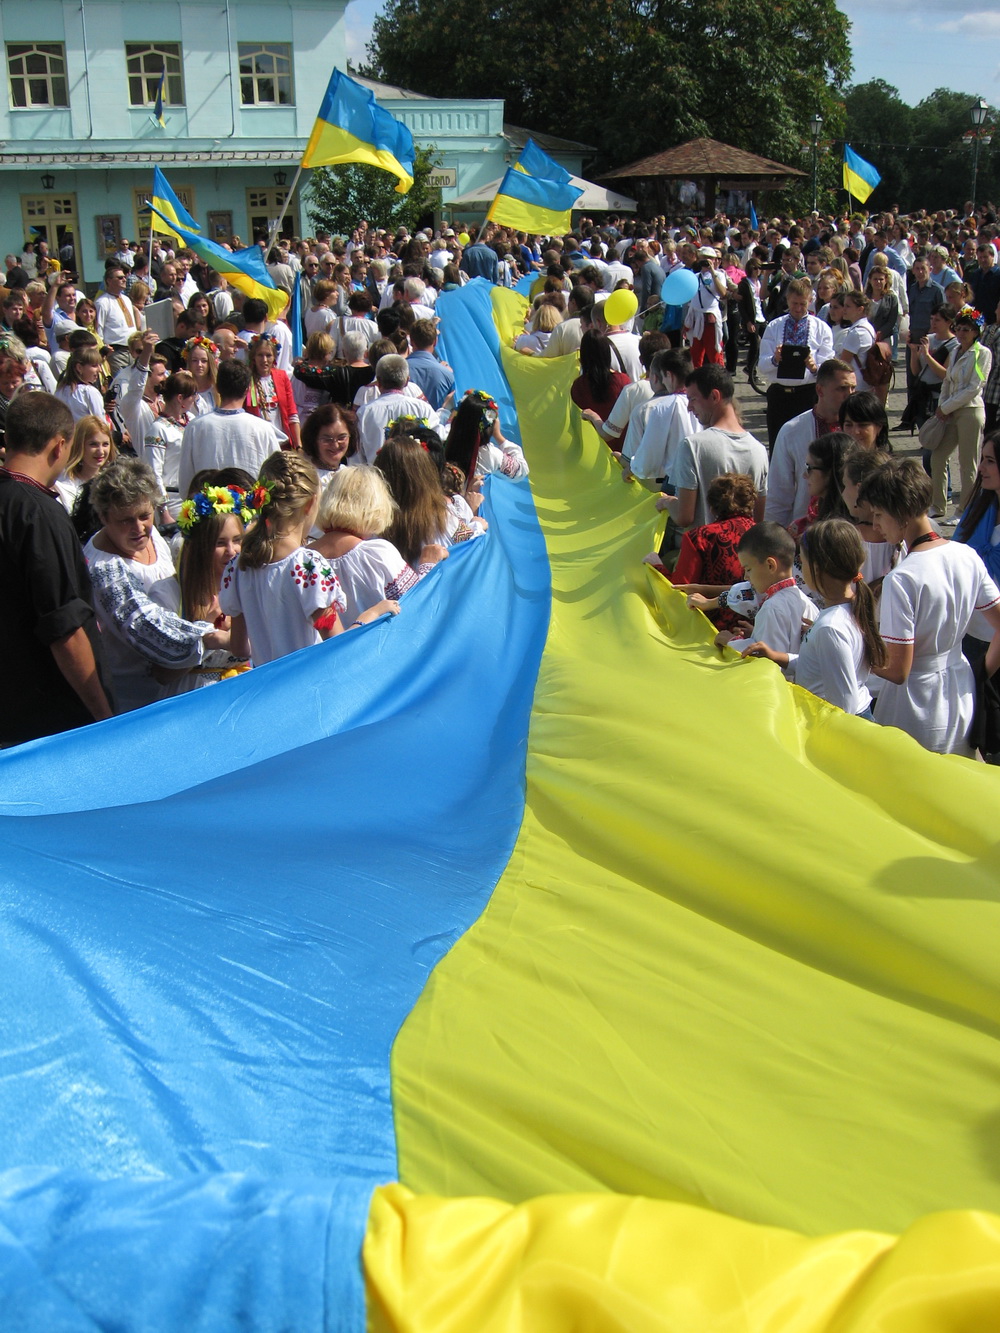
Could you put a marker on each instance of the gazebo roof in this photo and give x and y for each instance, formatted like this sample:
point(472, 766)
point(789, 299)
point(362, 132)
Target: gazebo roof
point(702, 157)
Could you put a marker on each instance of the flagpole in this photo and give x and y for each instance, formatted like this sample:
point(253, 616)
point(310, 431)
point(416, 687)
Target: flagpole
point(273, 235)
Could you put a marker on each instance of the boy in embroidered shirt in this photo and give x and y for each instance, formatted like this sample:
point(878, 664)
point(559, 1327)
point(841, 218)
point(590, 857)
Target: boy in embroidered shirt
point(767, 553)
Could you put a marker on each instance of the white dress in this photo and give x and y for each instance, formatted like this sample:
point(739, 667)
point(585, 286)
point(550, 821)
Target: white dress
point(928, 601)
point(161, 449)
point(505, 458)
point(832, 663)
point(859, 341)
point(82, 400)
point(279, 601)
point(369, 572)
point(459, 524)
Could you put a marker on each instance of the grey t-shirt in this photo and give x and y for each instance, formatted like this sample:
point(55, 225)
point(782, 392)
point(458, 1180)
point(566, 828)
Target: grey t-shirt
point(703, 457)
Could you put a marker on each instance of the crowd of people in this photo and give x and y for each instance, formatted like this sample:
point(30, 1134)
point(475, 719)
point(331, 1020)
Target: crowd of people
point(176, 510)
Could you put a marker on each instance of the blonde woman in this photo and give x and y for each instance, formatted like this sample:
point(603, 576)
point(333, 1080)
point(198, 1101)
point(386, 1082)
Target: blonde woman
point(535, 338)
point(201, 360)
point(91, 450)
point(356, 509)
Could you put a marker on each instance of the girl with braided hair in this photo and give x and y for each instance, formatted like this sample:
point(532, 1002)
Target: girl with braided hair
point(280, 594)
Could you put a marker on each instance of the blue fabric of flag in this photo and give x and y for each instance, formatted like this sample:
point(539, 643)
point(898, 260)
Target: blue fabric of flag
point(218, 911)
point(470, 343)
point(536, 162)
point(753, 217)
point(295, 315)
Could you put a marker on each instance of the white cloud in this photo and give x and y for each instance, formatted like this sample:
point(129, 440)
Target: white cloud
point(986, 23)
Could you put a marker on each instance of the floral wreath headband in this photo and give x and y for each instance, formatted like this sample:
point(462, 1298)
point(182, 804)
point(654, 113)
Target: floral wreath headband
point(403, 425)
point(224, 500)
point(263, 340)
point(970, 315)
point(483, 399)
point(199, 341)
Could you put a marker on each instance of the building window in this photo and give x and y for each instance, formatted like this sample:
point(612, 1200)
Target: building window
point(50, 218)
point(145, 62)
point(265, 74)
point(37, 74)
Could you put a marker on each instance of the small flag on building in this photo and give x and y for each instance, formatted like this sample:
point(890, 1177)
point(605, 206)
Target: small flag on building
point(352, 127)
point(158, 115)
point(860, 177)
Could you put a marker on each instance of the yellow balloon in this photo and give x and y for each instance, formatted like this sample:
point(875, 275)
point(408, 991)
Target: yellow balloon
point(621, 306)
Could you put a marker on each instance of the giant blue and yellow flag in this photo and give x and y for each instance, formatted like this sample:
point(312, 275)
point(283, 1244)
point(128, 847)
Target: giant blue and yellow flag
point(529, 203)
point(860, 177)
point(243, 269)
point(171, 213)
point(665, 1008)
point(352, 127)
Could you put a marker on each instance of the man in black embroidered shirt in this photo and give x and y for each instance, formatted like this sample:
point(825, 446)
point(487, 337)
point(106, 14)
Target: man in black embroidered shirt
point(51, 664)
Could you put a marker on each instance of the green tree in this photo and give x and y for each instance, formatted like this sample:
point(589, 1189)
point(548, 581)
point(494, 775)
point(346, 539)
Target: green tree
point(342, 196)
point(876, 118)
point(943, 168)
point(920, 152)
point(640, 75)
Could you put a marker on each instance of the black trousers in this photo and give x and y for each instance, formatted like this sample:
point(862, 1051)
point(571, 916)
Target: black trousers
point(783, 403)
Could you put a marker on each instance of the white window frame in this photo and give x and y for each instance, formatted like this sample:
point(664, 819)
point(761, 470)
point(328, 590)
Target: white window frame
point(52, 53)
point(169, 56)
point(276, 51)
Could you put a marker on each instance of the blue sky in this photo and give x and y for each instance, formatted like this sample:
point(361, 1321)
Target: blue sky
point(916, 45)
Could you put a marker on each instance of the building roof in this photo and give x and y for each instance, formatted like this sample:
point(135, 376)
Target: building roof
point(518, 136)
point(702, 157)
point(387, 89)
point(550, 143)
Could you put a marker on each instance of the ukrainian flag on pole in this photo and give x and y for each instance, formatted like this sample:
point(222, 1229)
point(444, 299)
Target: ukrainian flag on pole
point(530, 204)
point(243, 269)
point(169, 209)
point(860, 177)
point(536, 162)
point(351, 127)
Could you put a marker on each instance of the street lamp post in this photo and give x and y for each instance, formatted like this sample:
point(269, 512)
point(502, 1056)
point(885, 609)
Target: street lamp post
point(815, 124)
point(978, 112)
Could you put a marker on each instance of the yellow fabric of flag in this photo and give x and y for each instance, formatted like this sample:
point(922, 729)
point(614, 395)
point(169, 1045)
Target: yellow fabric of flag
point(744, 953)
point(609, 1264)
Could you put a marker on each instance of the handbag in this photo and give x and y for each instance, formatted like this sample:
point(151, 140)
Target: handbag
point(878, 365)
point(932, 432)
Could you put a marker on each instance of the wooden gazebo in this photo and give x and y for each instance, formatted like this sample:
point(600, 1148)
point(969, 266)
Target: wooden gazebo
point(657, 181)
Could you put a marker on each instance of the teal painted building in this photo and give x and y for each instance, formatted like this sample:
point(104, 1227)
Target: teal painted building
point(242, 83)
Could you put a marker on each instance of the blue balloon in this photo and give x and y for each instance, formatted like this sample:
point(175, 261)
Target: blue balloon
point(679, 287)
